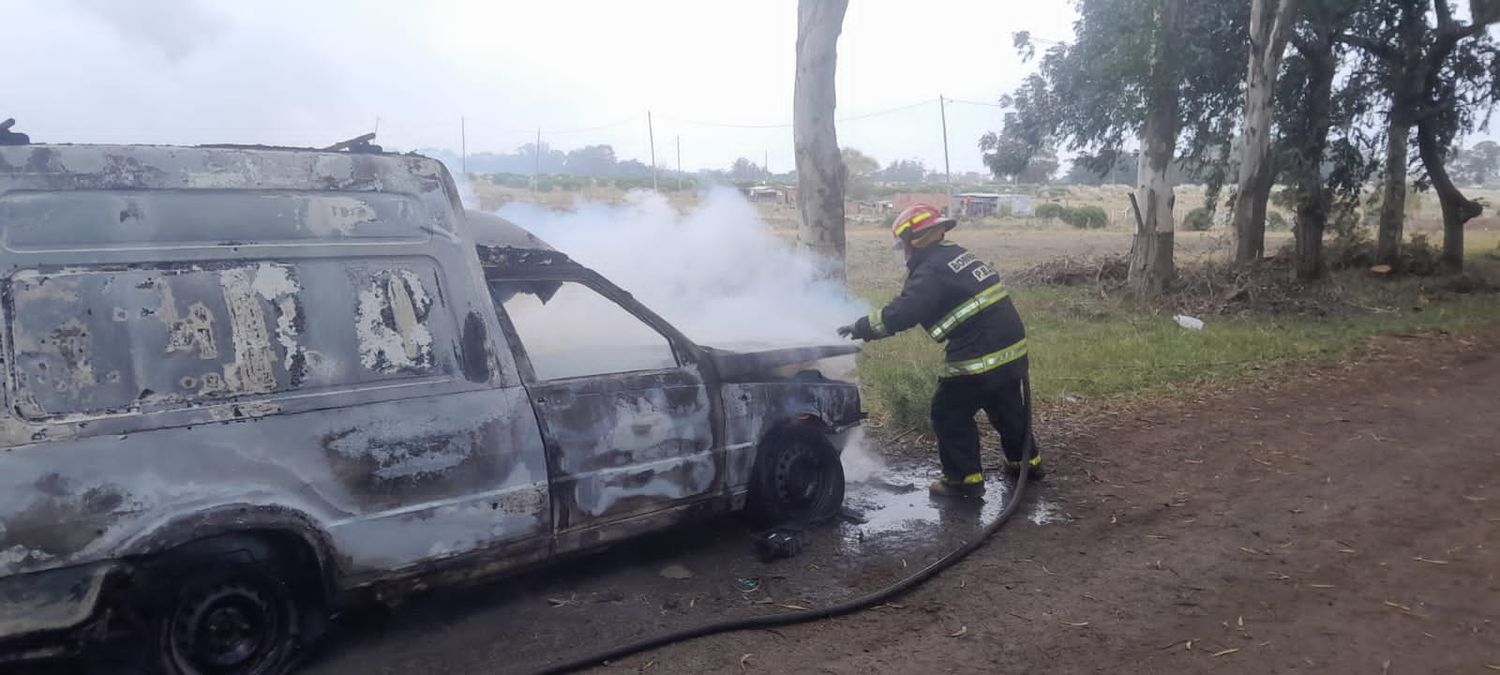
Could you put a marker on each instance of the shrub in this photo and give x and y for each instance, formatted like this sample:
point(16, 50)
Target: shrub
point(1050, 210)
point(1086, 217)
point(1420, 258)
point(1198, 220)
point(1275, 221)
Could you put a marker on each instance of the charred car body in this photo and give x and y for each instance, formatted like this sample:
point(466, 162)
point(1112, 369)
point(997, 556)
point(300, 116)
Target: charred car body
point(246, 386)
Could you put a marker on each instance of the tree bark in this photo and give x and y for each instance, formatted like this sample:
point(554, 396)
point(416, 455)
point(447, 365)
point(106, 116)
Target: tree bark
point(820, 168)
point(1151, 265)
point(1458, 210)
point(1312, 197)
point(1393, 194)
point(1270, 26)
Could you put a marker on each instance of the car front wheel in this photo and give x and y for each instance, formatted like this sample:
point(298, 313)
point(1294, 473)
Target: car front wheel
point(798, 480)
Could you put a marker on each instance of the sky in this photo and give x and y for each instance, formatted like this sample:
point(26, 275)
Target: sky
point(583, 71)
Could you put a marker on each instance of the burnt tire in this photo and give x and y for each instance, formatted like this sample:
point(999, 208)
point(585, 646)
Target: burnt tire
point(798, 480)
point(217, 616)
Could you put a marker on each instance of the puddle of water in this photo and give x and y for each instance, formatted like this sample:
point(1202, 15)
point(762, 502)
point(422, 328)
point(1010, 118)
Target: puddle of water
point(1045, 512)
point(897, 508)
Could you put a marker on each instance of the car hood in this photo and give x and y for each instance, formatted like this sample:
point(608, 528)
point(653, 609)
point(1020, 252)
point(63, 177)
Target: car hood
point(738, 365)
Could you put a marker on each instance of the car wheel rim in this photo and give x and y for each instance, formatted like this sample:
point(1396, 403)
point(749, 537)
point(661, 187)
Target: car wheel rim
point(224, 629)
point(799, 477)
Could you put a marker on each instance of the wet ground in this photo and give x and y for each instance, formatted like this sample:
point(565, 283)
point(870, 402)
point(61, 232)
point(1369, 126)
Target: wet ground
point(665, 582)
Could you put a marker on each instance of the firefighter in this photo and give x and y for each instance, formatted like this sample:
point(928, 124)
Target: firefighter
point(959, 301)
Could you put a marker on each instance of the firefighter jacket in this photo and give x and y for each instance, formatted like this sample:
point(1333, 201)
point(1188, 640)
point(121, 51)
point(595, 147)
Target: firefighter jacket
point(961, 303)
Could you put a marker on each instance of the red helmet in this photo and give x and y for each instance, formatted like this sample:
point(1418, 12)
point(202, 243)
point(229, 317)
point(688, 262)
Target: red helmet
point(917, 219)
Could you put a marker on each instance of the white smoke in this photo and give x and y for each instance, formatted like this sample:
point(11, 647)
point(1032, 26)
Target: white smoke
point(718, 272)
point(862, 460)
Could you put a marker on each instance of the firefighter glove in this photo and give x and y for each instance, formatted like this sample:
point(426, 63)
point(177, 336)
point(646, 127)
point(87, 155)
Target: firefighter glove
point(859, 330)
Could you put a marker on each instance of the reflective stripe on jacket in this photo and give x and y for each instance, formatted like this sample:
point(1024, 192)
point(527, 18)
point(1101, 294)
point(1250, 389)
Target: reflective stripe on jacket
point(960, 302)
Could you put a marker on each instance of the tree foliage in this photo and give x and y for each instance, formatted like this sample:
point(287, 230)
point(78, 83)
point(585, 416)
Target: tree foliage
point(1477, 165)
point(744, 170)
point(1440, 74)
point(858, 164)
point(903, 171)
point(1090, 92)
point(1011, 155)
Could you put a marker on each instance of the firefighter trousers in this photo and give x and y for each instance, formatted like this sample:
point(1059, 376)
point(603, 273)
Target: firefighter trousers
point(1002, 395)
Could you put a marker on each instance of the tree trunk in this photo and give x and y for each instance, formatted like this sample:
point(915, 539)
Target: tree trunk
point(1151, 267)
point(1393, 196)
point(1312, 204)
point(1270, 25)
point(820, 168)
point(1457, 209)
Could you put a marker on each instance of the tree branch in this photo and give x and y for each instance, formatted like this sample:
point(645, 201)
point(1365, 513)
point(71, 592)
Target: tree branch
point(1302, 44)
point(1379, 50)
point(1444, 15)
point(1284, 17)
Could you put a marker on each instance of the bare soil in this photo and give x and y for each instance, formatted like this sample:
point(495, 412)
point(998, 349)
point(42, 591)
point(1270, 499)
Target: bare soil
point(1347, 522)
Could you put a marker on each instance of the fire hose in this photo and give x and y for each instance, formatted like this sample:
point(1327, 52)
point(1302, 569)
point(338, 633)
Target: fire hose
point(847, 607)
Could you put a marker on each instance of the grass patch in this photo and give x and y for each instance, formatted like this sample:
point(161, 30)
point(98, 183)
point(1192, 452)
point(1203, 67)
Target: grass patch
point(1090, 347)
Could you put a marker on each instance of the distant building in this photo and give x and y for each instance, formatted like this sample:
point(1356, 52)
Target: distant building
point(768, 194)
point(901, 200)
point(983, 204)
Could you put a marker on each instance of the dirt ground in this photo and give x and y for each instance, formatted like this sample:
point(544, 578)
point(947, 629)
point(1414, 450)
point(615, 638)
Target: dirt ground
point(1344, 521)
point(1349, 522)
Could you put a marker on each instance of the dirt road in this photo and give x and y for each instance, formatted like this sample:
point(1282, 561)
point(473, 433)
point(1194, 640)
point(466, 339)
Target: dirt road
point(1347, 523)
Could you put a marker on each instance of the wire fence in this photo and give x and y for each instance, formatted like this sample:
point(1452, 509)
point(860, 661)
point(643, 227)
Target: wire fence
point(908, 131)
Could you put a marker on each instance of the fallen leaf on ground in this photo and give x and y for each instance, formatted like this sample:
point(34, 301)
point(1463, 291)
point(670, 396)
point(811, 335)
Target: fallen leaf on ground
point(799, 608)
point(1492, 666)
point(1227, 651)
point(1076, 624)
point(1347, 550)
point(743, 660)
point(1403, 608)
point(962, 631)
point(1320, 585)
point(1430, 561)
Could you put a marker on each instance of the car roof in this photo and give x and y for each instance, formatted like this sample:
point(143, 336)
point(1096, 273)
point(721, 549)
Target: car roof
point(492, 230)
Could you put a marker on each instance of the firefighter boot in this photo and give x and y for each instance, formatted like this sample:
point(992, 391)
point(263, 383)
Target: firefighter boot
point(969, 487)
point(1013, 467)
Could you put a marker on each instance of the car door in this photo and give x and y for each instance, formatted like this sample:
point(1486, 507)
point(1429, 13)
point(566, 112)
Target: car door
point(627, 417)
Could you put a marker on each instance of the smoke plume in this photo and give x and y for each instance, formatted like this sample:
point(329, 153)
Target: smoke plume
point(718, 272)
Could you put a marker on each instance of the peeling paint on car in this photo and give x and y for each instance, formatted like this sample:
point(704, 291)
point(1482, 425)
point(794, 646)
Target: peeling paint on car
point(392, 334)
point(252, 370)
point(199, 341)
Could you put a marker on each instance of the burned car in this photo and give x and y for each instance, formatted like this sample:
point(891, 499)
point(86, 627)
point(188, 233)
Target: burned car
point(246, 387)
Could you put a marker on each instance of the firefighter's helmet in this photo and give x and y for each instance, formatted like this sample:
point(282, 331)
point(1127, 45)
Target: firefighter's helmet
point(918, 219)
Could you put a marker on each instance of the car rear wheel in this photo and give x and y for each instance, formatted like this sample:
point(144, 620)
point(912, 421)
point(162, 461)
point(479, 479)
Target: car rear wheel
point(798, 480)
point(223, 617)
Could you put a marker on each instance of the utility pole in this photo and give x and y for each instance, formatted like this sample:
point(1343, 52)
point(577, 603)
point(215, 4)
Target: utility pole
point(536, 171)
point(463, 144)
point(765, 164)
point(947, 170)
point(651, 135)
point(679, 163)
